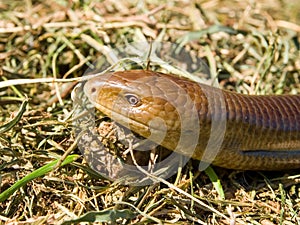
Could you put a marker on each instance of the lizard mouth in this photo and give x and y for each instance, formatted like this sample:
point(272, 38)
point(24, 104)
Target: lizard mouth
point(123, 119)
point(155, 130)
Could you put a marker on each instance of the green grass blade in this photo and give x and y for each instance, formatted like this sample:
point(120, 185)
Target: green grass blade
point(216, 181)
point(16, 119)
point(35, 174)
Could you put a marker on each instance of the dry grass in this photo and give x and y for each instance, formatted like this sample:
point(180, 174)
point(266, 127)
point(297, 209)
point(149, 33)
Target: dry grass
point(61, 39)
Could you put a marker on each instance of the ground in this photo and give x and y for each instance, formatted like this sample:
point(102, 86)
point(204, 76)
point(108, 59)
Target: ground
point(252, 46)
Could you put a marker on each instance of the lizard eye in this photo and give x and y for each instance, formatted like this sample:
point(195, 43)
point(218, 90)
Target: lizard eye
point(132, 99)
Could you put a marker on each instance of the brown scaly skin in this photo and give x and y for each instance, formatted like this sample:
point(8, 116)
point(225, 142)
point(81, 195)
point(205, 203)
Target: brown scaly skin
point(254, 132)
